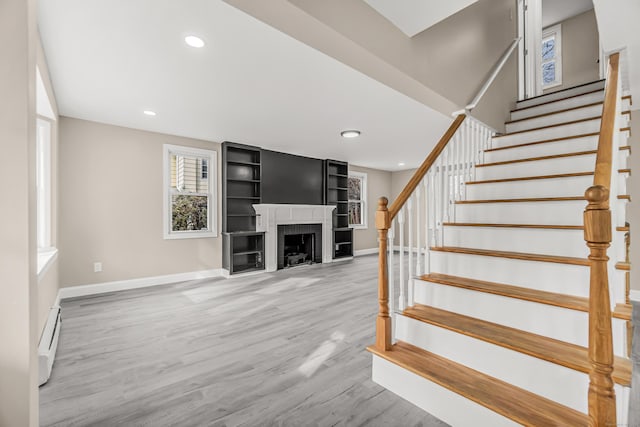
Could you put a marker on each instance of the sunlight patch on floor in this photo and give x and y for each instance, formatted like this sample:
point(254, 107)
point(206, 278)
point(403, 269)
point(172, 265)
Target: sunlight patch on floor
point(321, 354)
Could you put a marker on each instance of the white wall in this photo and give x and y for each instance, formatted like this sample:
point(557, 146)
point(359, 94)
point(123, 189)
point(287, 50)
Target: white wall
point(18, 303)
point(111, 206)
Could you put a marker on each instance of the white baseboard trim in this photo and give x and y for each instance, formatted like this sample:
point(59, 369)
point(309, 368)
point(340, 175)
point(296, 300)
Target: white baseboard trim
point(634, 295)
point(361, 252)
point(143, 282)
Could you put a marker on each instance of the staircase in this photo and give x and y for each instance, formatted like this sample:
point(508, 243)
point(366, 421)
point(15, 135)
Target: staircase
point(485, 313)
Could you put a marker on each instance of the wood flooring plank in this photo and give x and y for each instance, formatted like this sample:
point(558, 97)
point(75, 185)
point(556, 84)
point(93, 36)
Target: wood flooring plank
point(222, 352)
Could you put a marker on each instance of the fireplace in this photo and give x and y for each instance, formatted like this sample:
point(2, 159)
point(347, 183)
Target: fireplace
point(270, 216)
point(299, 244)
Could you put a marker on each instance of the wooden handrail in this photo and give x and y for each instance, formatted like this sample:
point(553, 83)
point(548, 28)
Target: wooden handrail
point(598, 235)
point(607, 126)
point(424, 167)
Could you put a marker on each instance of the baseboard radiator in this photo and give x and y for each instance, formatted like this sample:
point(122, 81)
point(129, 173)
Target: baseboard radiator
point(48, 345)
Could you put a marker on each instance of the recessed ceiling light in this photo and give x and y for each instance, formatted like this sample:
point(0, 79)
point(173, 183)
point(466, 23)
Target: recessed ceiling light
point(401, 164)
point(194, 41)
point(350, 133)
point(149, 112)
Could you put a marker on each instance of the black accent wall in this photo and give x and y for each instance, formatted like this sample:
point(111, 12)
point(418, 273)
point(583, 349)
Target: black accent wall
point(287, 178)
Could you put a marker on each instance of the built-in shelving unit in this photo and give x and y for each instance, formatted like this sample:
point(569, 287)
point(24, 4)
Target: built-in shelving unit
point(243, 247)
point(244, 251)
point(336, 193)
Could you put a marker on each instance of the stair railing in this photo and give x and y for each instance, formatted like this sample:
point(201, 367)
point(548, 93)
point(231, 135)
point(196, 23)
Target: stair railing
point(424, 206)
point(598, 235)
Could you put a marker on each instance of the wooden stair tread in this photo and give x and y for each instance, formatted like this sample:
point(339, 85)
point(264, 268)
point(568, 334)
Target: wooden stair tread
point(556, 100)
point(513, 255)
point(535, 159)
point(623, 311)
point(593, 104)
point(550, 298)
point(512, 402)
point(555, 351)
point(543, 141)
point(530, 178)
point(626, 266)
point(571, 122)
point(571, 302)
point(541, 226)
point(527, 199)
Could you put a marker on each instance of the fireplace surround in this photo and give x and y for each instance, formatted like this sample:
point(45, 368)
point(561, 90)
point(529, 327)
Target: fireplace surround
point(270, 216)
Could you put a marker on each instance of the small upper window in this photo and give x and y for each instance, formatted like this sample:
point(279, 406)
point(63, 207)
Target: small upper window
point(189, 192)
point(552, 56)
point(357, 186)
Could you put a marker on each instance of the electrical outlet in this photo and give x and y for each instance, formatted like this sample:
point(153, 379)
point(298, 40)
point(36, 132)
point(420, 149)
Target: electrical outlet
point(97, 267)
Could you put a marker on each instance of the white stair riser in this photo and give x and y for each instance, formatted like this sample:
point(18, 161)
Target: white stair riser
point(544, 213)
point(544, 276)
point(529, 240)
point(560, 106)
point(576, 101)
point(561, 94)
point(440, 402)
point(563, 385)
point(589, 126)
point(541, 319)
point(552, 187)
point(557, 165)
point(573, 145)
point(561, 117)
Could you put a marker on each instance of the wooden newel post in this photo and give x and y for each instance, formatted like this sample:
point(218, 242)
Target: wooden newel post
point(597, 233)
point(383, 321)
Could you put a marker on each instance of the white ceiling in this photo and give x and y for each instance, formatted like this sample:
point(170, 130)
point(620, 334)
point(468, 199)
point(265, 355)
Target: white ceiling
point(554, 11)
point(415, 16)
point(112, 59)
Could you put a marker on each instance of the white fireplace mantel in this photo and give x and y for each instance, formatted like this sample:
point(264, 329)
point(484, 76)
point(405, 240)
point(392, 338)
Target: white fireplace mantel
point(272, 215)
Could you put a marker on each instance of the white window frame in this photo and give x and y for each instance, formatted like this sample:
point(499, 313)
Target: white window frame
point(212, 209)
point(556, 32)
point(363, 191)
point(44, 221)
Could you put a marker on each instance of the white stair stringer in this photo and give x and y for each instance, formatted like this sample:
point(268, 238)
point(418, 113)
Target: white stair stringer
point(435, 399)
point(562, 94)
point(534, 317)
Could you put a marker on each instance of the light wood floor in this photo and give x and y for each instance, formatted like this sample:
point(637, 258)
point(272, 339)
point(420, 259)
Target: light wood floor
point(277, 349)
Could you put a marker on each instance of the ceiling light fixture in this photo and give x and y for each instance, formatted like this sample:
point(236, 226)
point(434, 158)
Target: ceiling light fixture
point(194, 41)
point(149, 112)
point(350, 133)
point(401, 164)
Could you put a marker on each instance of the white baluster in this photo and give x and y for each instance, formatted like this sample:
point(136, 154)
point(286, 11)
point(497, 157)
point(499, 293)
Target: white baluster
point(442, 199)
point(390, 268)
point(401, 283)
point(445, 161)
point(410, 276)
point(418, 258)
point(474, 149)
point(425, 182)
